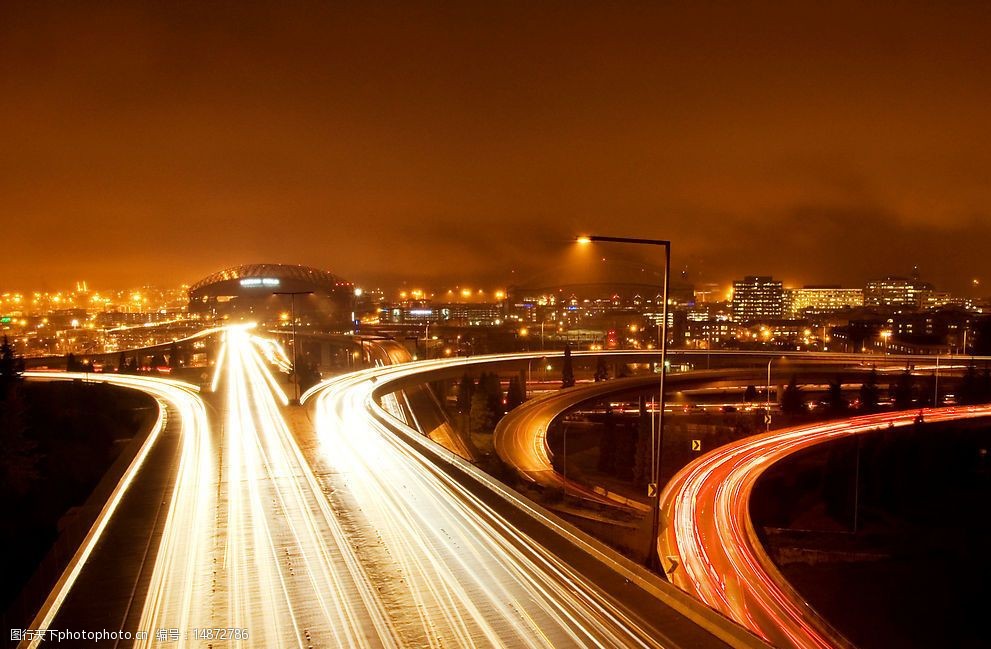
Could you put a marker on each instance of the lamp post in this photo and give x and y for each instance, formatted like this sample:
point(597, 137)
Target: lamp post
point(292, 314)
point(654, 490)
point(936, 383)
point(356, 294)
point(767, 396)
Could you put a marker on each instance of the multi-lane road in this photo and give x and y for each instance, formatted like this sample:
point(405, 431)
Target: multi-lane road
point(462, 575)
point(174, 452)
point(274, 526)
point(520, 438)
point(709, 540)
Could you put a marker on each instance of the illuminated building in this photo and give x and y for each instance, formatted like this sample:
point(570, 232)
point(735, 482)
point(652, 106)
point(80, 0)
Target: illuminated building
point(819, 300)
point(757, 298)
point(710, 334)
point(455, 313)
point(248, 293)
point(897, 293)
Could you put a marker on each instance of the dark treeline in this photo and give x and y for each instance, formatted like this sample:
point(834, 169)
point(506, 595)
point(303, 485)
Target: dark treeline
point(481, 403)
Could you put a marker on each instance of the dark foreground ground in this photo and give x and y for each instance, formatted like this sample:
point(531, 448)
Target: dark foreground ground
point(58, 438)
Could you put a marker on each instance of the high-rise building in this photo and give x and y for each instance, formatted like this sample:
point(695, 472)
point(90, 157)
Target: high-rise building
point(818, 300)
point(757, 298)
point(897, 293)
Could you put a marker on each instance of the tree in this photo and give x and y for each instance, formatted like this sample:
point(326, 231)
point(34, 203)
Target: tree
point(308, 374)
point(626, 452)
point(834, 397)
point(601, 371)
point(869, 396)
point(19, 459)
point(973, 388)
point(567, 369)
point(72, 364)
point(466, 388)
point(750, 395)
point(903, 390)
point(515, 394)
point(489, 385)
point(982, 337)
point(481, 417)
point(11, 367)
point(793, 401)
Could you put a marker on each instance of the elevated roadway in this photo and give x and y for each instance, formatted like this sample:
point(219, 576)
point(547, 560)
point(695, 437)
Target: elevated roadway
point(494, 568)
point(520, 438)
point(102, 585)
point(709, 543)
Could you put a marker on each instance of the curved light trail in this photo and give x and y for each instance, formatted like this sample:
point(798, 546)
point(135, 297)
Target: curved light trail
point(520, 438)
point(470, 578)
point(346, 537)
point(709, 534)
point(184, 400)
point(267, 555)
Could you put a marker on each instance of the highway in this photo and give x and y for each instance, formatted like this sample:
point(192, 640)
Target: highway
point(265, 557)
point(249, 546)
point(469, 574)
point(710, 541)
point(180, 409)
point(471, 578)
point(282, 531)
point(520, 438)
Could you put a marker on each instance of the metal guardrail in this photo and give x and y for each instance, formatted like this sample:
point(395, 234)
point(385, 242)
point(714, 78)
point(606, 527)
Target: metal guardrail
point(69, 540)
point(722, 628)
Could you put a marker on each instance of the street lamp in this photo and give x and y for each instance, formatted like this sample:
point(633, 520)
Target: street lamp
point(292, 314)
point(356, 294)
point(654, 490)
point(767, 396)
point(886, 336)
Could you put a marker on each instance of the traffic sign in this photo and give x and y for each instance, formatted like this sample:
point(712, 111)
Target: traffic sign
point(652, 490)
point(767, 418)
point(696, 445)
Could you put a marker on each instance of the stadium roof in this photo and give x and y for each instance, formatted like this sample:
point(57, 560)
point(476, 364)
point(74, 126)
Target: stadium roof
point(282, 271)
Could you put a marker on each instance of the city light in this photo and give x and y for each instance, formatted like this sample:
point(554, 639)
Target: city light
point(371, 375)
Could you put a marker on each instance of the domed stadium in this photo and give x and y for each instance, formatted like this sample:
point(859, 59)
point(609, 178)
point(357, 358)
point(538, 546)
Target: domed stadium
point(261, 292)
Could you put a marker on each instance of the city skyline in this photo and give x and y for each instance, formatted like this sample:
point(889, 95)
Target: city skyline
point(973, 287)
point(517, 324)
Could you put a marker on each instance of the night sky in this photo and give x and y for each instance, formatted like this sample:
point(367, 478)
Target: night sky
point(155, 143)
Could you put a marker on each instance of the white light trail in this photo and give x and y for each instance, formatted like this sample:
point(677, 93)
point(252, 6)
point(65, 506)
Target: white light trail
point(471, 576)
point(184, 399)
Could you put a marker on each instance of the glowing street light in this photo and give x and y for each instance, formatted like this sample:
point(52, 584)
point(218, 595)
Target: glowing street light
point(654, 491)
point(886, 336)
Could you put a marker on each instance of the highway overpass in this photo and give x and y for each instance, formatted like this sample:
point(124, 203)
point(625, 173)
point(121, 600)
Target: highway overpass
point(242, 516)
